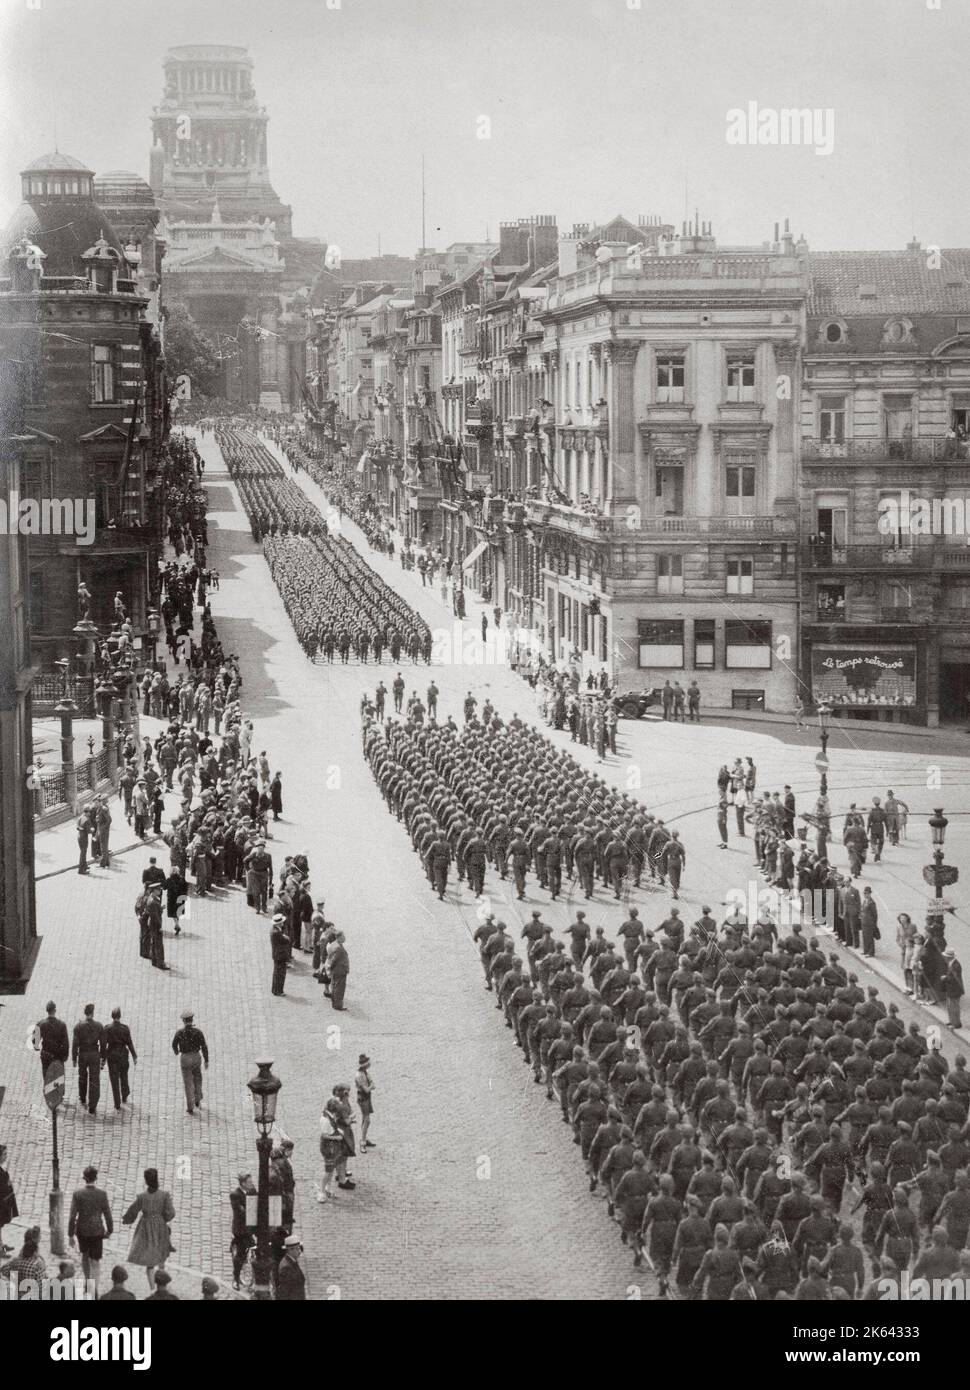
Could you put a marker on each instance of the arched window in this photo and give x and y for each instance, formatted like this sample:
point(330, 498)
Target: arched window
point(834, 333)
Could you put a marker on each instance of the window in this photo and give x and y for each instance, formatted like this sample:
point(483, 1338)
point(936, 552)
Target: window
point(669, 489)
point(898, 411)
point(747, 646)
point(739, 489)
point(103, 374)
point(740, 574)
point(834, 333)
point(831, 420)
point(704, 644)
point(831, 530)
point(748, 699)
point(897, 596)
point(957, 594)
point(740, 377)
point(366, 363)
point(37, 602)
point(670, 378)
point(830, 603)
point(670, 574)
point(426, 378)
point(660, 643)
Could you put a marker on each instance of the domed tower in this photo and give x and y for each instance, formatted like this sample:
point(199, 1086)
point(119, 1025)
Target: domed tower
point(211, 132)
point(59, 215)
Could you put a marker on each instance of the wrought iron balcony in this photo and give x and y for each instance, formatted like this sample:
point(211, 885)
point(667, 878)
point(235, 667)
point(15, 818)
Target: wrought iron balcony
point(926, 449)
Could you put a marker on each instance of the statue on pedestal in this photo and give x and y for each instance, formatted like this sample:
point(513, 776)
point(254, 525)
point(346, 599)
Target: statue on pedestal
point(83, 601)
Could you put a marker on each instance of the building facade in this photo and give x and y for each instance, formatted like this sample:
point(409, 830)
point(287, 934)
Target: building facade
point(18, 926)
point(76, 313)
point(885, 478)
point(232, 257)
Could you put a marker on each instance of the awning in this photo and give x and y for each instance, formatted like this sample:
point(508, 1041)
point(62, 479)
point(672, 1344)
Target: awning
point(470, 559)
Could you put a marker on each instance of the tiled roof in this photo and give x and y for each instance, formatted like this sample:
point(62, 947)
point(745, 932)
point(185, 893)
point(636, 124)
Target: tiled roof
point(892, 282)
point(56, 163)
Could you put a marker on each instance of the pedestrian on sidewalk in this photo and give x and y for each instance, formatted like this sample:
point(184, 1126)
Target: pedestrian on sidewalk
point(9, 1210)
point(52, 1039)
point(189, 1045)
point(336, 1125)
point(88, 1224)
point(86, 1049)
point(153, 920)
point(103, 822)
point(242, 1238)
point(290, 1279)
point(85, 826)
point(338, 968)
point(953, 989)
point(116, 1047)
point(365, 1099)
point(276, 795)
point(151, 1243)
point(869, 922)
point(280, 951)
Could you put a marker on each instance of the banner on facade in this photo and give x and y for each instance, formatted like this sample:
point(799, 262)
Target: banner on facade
point(864, 675)
point(470, 559)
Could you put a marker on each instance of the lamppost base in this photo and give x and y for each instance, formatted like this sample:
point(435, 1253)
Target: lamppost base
point(56, 1224)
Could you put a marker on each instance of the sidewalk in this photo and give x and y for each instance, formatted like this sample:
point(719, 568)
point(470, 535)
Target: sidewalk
point(186, 1283)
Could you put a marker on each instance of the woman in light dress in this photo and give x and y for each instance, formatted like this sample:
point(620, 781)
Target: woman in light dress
point(151, 1243)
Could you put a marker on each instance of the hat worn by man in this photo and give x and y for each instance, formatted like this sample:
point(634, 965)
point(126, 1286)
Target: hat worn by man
point(291, 1241)
point(187, 1015)
point(163, 1277)
point(363, 1060)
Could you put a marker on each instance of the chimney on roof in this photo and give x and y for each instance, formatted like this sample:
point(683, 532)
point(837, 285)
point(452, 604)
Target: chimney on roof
point(913, 245)
point(543, 240)
point(513, 242)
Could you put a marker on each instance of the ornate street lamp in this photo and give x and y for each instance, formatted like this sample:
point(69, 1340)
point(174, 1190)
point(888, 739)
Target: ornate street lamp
point(824, 715)
point(940, 875)
point(264, 1088)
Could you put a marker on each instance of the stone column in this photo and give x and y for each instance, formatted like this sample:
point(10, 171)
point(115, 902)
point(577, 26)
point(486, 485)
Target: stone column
point(621, 354)
point(66, 710)
point(785, 387)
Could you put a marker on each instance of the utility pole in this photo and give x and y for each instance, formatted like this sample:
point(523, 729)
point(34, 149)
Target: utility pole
point(423, 227)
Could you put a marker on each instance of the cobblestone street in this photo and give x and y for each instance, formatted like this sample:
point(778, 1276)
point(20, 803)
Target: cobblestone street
point(475, 1189)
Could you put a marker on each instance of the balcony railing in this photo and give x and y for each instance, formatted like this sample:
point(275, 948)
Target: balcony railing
point(719, 525)
point(926, 449)
point(917, 557)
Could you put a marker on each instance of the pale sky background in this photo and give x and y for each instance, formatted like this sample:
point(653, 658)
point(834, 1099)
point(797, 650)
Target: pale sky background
point(595, 108)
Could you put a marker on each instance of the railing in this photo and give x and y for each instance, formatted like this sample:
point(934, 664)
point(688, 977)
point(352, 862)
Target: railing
point(48, 689)
point(916, 557)
point(53, 787)
point(64, 284)
point(84, 774)
point(720, 525)
point(926, 449)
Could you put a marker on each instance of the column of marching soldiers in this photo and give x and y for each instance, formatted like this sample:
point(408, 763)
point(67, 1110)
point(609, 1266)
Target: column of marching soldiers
point(738, 1098)
point(337, 604)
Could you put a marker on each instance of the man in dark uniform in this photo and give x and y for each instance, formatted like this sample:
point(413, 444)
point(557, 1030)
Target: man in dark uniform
point(279, 944)
point(86, 1056)
point(475, 854)
point(551, 851)
point(519, 854)
point(439, 857)
point(189, 1045)
point(584, 857)
point(55, 1045)
point(116, 1046)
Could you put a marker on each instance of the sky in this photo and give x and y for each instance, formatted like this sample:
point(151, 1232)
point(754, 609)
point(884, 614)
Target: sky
point(580, 108)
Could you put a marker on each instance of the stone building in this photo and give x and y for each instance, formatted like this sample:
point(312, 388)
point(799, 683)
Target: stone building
point(667, 518)
point(74, 312)
point(885, 478)
point(18, 931)
point(232, 257)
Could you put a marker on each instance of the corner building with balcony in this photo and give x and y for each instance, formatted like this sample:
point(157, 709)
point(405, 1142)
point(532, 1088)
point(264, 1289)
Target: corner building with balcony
point(666, 520)
point(885, 423)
